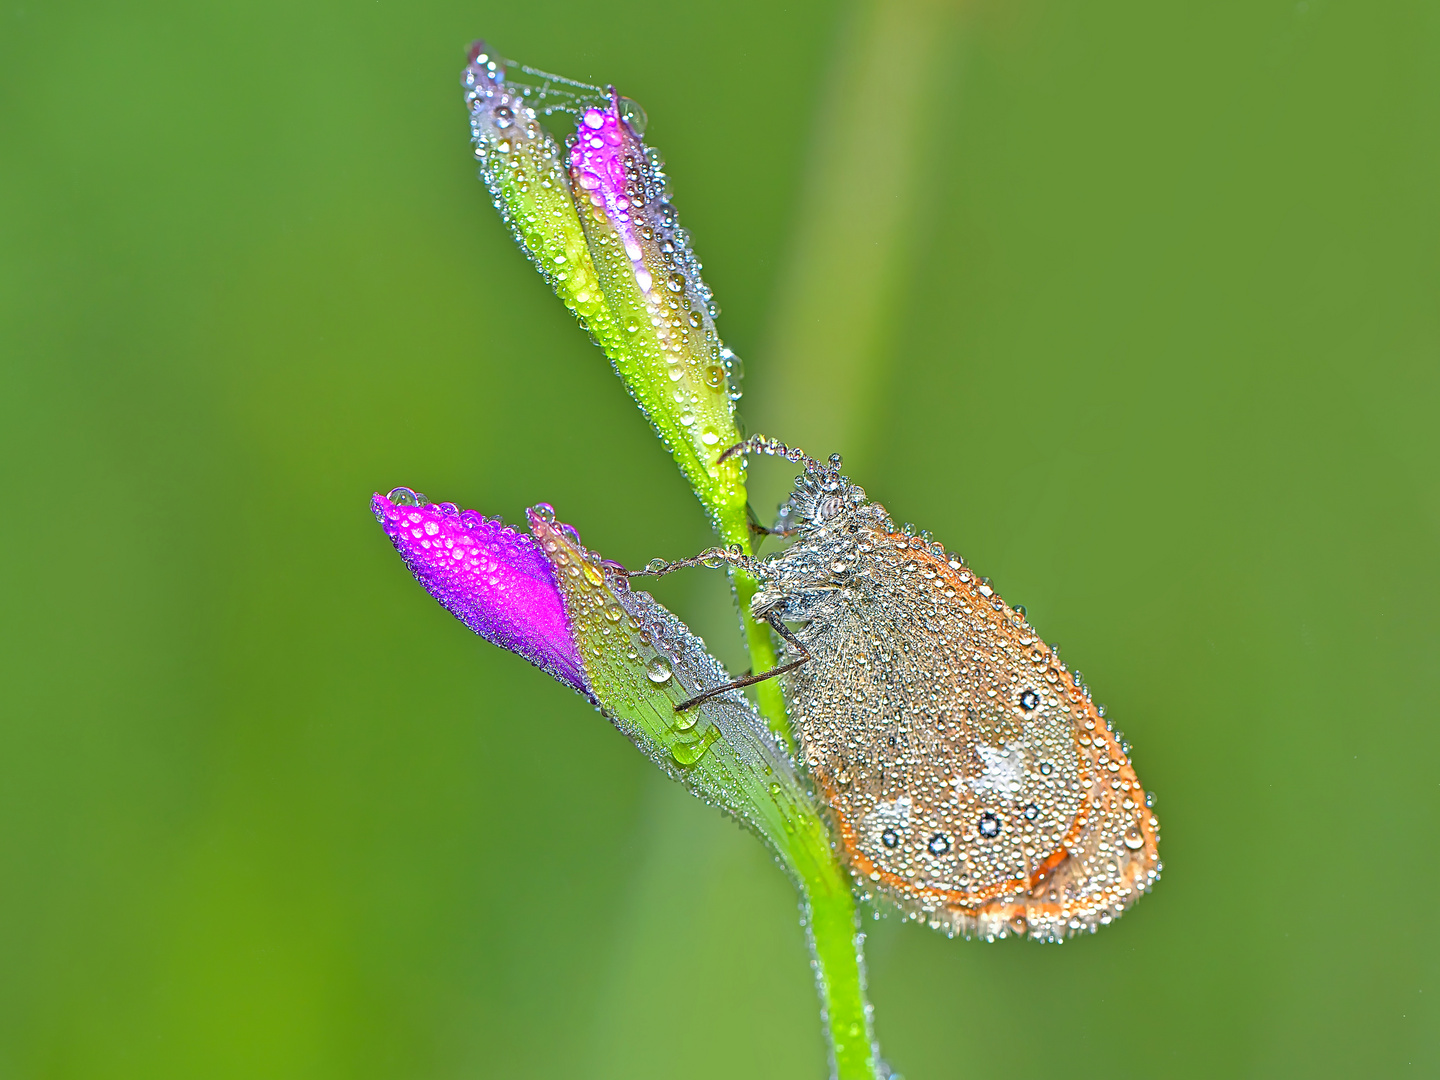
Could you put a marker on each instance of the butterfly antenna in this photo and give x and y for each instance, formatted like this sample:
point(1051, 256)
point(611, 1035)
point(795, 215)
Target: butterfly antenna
point(763, 444)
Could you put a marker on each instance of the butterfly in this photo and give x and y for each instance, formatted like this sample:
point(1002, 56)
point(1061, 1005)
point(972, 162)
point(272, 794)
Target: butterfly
point(970, 777)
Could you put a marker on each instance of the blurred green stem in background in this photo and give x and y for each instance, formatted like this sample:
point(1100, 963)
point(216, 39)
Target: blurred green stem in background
point(826, 347)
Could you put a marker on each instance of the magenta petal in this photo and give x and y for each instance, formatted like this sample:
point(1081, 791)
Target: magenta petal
point(493, 579)
point(597, 159)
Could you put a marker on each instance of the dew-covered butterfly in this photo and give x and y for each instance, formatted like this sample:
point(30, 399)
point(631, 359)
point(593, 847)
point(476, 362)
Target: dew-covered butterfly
point(970, 776)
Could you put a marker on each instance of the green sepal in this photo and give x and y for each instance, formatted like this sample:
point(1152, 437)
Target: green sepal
point(641, 661)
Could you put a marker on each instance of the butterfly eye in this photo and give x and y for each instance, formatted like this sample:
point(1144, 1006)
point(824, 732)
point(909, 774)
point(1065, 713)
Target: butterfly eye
point(890, 838)
point(830, 508)
point(989, 825)
point(1029, 700)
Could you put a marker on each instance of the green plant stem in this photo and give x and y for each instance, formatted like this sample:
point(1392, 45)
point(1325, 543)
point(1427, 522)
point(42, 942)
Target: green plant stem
point(761, 644)
point(733, 527)
point(827, 897)
point(835, 946)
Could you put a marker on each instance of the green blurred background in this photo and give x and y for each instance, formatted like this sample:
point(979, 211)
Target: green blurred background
point(1133, 304)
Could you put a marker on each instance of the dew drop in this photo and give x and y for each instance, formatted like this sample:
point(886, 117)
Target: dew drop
point(1133, 839)
point(633, 115)
point(690, 753)
point(989, 825)
point(658, 670)
point(544, 512)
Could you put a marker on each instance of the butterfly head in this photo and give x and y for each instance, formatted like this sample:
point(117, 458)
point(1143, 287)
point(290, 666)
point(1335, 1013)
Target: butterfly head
point(824, 500)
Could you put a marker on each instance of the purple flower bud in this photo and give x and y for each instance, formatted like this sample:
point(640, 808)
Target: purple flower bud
point(674, 362)
point(493, 579)
point(597, 157)
point(624, 184)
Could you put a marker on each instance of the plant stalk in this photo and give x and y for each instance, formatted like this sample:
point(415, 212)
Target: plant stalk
point(827, 898)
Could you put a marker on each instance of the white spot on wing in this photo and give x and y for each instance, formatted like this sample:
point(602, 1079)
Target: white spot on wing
point(1004, 772)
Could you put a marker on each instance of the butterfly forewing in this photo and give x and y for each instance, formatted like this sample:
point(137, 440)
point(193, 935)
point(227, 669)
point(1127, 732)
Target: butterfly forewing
point(971, 779)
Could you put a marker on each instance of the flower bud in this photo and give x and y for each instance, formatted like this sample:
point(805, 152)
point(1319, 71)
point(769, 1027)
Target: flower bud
point(524, 169)
point(492, 578)
point(673, 362)
point(640, 662)
point(547, 598)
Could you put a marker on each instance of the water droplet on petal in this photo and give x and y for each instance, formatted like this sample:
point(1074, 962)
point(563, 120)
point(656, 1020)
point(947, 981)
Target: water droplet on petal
point(634, 115)
point(691, 752)
point(544, 512)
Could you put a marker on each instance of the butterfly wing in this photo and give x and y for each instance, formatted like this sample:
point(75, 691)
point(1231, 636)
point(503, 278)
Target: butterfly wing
point(971, 778)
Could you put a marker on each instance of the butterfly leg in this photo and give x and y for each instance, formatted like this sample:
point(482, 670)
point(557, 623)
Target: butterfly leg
point(763, 530)
point(710, 558)
point(750, 680)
